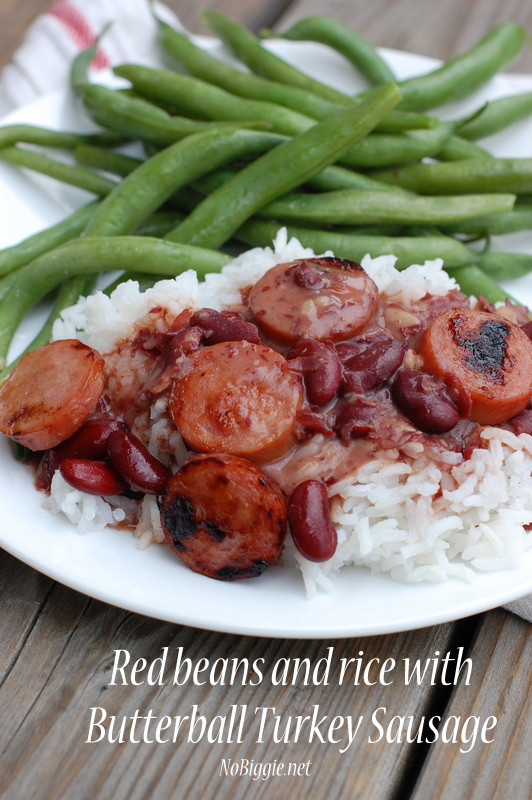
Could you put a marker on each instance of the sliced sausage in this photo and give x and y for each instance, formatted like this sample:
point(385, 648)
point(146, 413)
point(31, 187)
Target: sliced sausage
point(490, 357)
point(239, 398)
point(223, 517)
point(50, 393)
point(328, 299)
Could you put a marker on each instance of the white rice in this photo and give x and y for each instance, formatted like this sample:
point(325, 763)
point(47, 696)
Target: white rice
point(400, 514)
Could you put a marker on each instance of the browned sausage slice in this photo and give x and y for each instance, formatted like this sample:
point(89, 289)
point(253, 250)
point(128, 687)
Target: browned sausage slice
point(51, 392)
point(485, 356)
point(239, 398)
point(328, 299)
point(223, 517)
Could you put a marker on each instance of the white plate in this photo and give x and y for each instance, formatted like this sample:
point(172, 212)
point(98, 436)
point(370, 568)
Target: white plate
point(108, 565)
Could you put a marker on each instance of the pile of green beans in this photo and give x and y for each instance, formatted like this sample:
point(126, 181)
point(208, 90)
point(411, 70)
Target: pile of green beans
point(225, 155)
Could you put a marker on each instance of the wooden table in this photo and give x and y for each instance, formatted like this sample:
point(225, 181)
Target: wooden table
point(57, 646)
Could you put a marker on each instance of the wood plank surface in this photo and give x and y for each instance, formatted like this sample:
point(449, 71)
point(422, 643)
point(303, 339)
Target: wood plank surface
point(502, 658)
point(441, 30)
point(61, 666)
point(17, 15)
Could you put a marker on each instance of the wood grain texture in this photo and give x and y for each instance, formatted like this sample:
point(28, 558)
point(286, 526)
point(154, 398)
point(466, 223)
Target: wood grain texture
point(17, 15)
point(501, 686)
point(61, 667)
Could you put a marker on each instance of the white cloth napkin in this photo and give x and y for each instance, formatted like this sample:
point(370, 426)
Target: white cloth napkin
point(42, 62)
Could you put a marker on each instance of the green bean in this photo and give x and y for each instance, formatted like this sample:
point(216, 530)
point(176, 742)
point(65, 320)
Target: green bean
point(474, 281)
point(67, 295)
point(45, 241)
point(407, 249)
point(462, 75)
point(189, 95)
point(343, 39)
point(209, 183)
point(380, 149)
point(369, 230)
point(458, 149)
point(17, 255)
point(148, 186)
point(139, 119)
point(337, 177)
point(22, 289)
point(280, 170)
point(192, 96)
point(356, 206)
point(72, 174)
point(79, 69)
point(473, 175)
point(158, 224)
point(34, 134)
point(506, 266)
point(519, 219)
point(329, 179)
point(397, 121)
point(181, 52)
point(126, 115)
point(262, 62)
point(497, 115)
point(106, 160)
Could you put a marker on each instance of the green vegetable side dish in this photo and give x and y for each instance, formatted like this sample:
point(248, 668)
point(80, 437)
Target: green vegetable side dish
point(281, 169)
point(347, 42)
point(225, 155)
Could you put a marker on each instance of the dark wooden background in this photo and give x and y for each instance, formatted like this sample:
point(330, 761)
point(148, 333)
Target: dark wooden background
point(56, 646)
point(441, 29)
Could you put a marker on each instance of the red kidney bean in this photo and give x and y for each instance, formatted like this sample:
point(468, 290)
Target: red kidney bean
point(320, 366)
point(312, 420)
point(352, 420)
point(313, 533)
point(141, 470)
point(92, 477)
point(89, 442)
point(522, 423)
point(370, 368)
point(225, 326)
point(425, 401)
point(347, 350)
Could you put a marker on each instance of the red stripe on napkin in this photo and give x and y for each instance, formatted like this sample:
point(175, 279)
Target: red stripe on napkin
point(79, 30)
